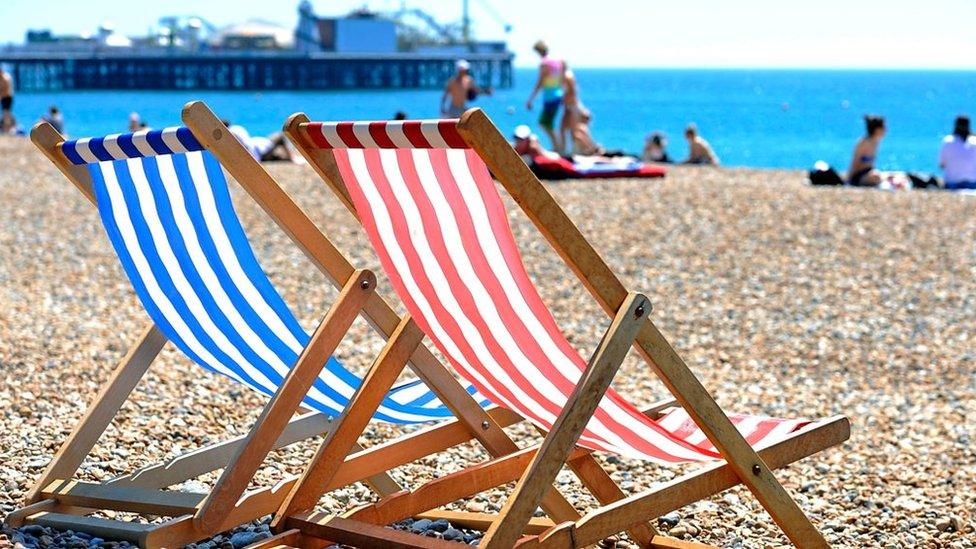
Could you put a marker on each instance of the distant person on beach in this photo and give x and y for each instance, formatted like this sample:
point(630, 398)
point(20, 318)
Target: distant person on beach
point(699, 151)
point(7, 121)
point(583, 142)
point(400, 115)
point(655, 149)
point(135, 122)
point(957, 158)
point(573, 108)
point(264, 149)
point(54, 118)
point(862, 172)
point(460, 89)
point(527, 145)
point(550, 83)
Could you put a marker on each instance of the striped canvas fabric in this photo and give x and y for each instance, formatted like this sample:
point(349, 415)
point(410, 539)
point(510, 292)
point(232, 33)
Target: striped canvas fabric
point(172, 223)
point(131, 145)
point(441, 232)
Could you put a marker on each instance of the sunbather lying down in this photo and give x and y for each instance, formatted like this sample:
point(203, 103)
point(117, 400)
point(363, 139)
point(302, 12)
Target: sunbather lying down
point(550, 165)
point(273, 148)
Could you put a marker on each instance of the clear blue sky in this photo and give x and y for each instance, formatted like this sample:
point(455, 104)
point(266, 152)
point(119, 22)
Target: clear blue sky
point(627, 33)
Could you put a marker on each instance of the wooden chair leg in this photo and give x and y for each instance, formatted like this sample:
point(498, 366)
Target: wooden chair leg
point(524, 500)
point(101, 412)
point(239, 472)
point(334, 449)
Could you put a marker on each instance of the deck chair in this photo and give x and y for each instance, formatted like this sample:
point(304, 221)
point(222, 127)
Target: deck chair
point(164, 203)
point(424, 196)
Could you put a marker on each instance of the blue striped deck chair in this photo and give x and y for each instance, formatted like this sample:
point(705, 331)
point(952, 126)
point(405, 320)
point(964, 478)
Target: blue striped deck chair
point(164, 202)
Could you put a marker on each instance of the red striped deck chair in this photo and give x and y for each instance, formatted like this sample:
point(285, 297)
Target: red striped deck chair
point(424, 196)
point(157, 193)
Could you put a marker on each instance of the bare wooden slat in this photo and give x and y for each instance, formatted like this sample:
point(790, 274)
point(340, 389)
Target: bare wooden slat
point(366, 536)
point(122, 498)
point(481, 521)
point(662, 542)
point(572, 420)
point(133, 532)
point(216, 456)
point(286, 400)
point(443, 490)
point(566, 238)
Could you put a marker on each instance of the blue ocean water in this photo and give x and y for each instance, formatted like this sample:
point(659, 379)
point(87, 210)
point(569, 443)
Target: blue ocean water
point(761, 118)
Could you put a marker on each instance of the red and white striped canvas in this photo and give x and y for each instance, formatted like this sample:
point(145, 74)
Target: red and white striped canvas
point(436, 220)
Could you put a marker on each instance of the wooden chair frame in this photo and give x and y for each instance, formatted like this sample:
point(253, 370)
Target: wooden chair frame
point(57, 501)
point(535, 468)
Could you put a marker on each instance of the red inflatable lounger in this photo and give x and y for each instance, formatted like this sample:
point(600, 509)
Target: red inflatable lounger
point(561, 168)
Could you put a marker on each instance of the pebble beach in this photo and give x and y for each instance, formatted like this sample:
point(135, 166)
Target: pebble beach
point(784, 300)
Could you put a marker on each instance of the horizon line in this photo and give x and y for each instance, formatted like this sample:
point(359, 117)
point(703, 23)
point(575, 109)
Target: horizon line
point(763, 68)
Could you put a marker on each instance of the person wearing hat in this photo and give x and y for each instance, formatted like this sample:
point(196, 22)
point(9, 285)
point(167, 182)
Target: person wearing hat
point(460, 89)
point(527, 145)
point(957, 158)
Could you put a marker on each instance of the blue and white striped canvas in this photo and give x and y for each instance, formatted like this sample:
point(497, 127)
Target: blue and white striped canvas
point(169, 216)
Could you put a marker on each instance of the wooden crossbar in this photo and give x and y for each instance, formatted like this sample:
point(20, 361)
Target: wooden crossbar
point(122, 498)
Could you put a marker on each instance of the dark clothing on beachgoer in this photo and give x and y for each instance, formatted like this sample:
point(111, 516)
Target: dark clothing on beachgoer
point(7, 103)
point(856, 178)
point(549, 109)
point(960, 185)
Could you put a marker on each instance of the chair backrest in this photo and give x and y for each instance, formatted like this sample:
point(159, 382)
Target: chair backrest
point(433, 214)
point(166, 207)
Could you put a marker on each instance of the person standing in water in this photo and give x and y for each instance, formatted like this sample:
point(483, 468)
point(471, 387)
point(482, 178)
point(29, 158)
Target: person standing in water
point(460, 89)
point(7, 121)
point(550, 82)
point(862, 172)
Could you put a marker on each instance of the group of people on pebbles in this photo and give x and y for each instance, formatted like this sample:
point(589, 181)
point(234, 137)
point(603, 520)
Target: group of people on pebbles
point(957, 160)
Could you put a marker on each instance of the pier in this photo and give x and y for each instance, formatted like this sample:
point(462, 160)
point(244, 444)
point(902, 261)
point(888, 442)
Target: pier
point(46, 71)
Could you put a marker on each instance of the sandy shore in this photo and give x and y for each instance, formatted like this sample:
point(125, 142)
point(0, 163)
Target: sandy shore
point(784, 299)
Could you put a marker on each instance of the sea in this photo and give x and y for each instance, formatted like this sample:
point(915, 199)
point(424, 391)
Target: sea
point(754, 118)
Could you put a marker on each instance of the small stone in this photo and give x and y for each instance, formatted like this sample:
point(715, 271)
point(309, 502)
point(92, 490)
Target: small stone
point(678, 531)
point(33, 530)
point(474, 507)
point(670, 519)
point(243, 539)
point(421, 526)
point(439, 525)
point(453, 534)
